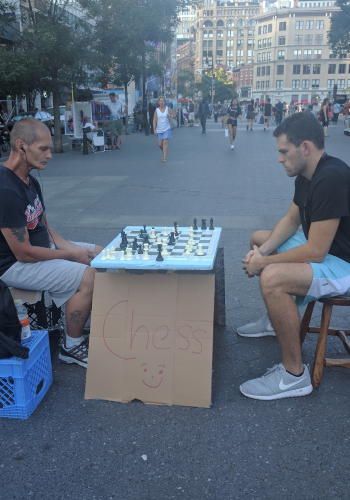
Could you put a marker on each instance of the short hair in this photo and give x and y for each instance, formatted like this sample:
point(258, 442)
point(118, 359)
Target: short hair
point(301, 127)
point(268, 99)
point(28, 130)
point(161, 97)
point(112, 94)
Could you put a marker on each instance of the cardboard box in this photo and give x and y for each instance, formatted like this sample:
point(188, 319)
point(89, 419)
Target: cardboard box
point(152, 339)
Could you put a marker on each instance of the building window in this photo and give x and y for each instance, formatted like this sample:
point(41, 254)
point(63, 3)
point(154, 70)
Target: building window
point(264, 56)
point(240, 43)
point(219, 44)
point(319, 25)
point(297, 54)
point(281, 40)
point(269, 42)
point(210, 34)
point(258, 85)
point(342, 68)
point(230, 23)
point(279, 84)
point(240, 33)
point(298, 39)
point(250, 43)
point(229, 53)
point(257, 71)
point(318, 39)
point(219, 61)
point(263, 71)
point(315, 84)
point(205, 53)
point(295, 98)
point(332, 55)
point(219, 34)
point(259, 57)
point(251, 72)
point(282, 26)
point(308, 40)
point(267, 70)
point(316, 69)
point(305, 84)
point(269, 56)
point(240, 22)
point(296, 69)
point(295, 84)
point(220, 23)
point(307, 54)
point(280, 69)
point(239, 53)
point(331, 69)
point(309, 25)
point(306, 69)
point(264, 43)
point(317, 53)
point(229, 43)
point(250, 81)
point(246, 82)
point(264, 29)
point(250, 33)
point(259, 30)
point(330, 84)
point(299, 25)
point(219, 53)
point(205, 34)
point(205, 44)
point(229, 62)
point(230, 33)
point(280, 54)
point(259, 44)
point(341, 84)
point(262, 85)
point(267, 84)
point(249, 53)
point(270, 28)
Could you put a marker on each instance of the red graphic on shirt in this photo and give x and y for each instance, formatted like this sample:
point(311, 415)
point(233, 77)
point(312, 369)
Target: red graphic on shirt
point(33, 213)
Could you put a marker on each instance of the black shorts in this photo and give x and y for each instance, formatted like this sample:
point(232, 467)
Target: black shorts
point(232, 122)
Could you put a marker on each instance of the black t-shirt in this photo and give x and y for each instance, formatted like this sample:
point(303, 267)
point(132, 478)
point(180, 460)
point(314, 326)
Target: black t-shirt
point(325, 197)
point(250, 107)
point(234, 112)
point(279, 107)
point(20, 205)
point(268, 107)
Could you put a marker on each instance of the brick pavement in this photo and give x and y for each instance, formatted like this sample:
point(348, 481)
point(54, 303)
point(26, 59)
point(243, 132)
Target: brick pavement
point(239, 449)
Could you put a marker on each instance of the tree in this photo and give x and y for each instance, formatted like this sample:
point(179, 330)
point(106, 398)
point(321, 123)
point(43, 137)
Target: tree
point(185, 82)
point(339, 34)
point(224, 89)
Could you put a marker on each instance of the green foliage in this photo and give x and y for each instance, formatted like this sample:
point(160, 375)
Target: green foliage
point(339, 34)
point(186, 83)
point(224, 89)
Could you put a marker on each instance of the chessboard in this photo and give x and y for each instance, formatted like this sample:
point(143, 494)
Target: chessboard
point(177, 255)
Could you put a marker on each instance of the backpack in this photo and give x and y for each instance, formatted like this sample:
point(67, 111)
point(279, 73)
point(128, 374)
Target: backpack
point(10, 327)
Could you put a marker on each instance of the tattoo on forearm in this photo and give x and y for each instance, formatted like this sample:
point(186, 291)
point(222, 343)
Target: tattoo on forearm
point(75, 317)
point(19, 232)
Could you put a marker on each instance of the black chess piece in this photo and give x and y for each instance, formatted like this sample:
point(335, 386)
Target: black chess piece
point(124, 242)
point(140, 250)
point(171, 238)
point(211, 227)
point(175, 227)
point(204, 224)
point(141, 233)
point(159, 256)
point(134, 244)
point(144, 230)
point(195, 224)
point(145, 238)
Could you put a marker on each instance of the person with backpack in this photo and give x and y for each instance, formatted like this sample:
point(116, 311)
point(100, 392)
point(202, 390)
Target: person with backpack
point(250, 114)
point(336, 111)
point(203, 113)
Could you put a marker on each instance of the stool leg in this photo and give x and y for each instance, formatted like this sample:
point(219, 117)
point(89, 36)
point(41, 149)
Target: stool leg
point(321, 346)
point(305, 322)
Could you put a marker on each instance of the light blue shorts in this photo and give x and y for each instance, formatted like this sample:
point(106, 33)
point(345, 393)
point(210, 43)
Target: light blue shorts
point(165, 135)
point(330, 277)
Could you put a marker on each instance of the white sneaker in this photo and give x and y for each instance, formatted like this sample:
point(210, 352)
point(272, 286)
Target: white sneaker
point(232, 147)
point(261, 328)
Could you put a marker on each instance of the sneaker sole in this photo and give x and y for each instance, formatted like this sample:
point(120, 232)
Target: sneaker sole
point(68, 360)
point(256, 335)
point(305, 391)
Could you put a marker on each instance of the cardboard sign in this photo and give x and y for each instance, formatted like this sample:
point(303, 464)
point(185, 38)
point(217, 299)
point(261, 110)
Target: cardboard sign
point(151, 339)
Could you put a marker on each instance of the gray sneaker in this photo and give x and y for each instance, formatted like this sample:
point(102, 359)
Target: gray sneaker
point(277, 383)
point(261, 328)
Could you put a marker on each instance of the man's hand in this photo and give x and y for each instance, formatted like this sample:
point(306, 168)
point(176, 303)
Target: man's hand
point(253, 264)
point(83, 255)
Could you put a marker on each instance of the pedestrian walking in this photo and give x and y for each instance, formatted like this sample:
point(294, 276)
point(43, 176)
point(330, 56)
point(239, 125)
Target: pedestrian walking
point(223, 113)
point(330, 111)
point(191, 114)
point(234, 112)
point(216, 111)
point(325, 118)
point(250, 114)
point(279, 111)
point(161, 125)
point(117, 111)
point(196, 114)
point(336, 111)
point(267, 113)
point(203, 113)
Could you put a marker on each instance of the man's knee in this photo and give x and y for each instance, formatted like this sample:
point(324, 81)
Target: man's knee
point(259, 237)
point(98, 249)
point(87, 281)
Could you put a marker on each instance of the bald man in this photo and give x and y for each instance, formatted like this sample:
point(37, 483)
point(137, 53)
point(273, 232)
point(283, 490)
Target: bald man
point(33, 255)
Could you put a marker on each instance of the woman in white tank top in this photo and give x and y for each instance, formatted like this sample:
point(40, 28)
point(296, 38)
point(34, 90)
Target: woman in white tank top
point(161, 125)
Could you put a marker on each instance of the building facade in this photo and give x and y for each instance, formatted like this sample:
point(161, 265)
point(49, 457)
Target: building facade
point(185, 28)
point(225, 33)
point(292, 61)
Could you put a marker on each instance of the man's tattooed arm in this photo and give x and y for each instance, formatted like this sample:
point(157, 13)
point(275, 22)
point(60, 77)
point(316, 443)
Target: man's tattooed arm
point(19, 232)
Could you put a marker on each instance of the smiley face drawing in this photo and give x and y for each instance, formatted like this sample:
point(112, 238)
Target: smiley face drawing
point(152, 375)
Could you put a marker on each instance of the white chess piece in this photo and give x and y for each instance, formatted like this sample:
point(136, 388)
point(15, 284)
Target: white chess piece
point(145, 255)
point(103, 257)
point(108, 254)
point(129, 255)
point(159, 241)
point(165, 232)
point(113, 253)
point(187, 250)
point(200, 249)
point(164, 251)
point(122, 257)
point(191, 231)
point(153, 233)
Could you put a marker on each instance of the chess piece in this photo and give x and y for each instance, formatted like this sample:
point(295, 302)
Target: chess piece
point(134, 244)
point(108, 254)
point(113, 253)
point(204, 224)
point(200, 249)
point(129, 255)
point(159, 241)
point(145, 255)
point(159, 256)
point(175, 227)
point(145, 239)
point(172, 238)
point(165, 232)
point(195, 224)
point(153, 233)
point(103, 257)
point(144, 230)
point(211, 227)
point(187, 250)
point(140, 251)
point(165, 251)
point(122, 257)
point(124, 242)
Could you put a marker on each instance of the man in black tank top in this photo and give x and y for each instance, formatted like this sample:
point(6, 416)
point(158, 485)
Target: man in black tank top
point(267, 113)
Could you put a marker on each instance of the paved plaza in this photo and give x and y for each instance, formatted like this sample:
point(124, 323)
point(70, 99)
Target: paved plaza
point(243, 449)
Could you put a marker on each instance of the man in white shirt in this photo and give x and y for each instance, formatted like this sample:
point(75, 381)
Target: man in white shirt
point(117, 111)
point(336, 111)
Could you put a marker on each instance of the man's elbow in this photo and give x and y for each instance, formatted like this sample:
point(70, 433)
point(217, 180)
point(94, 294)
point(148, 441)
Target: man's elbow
point(318, 256)
point(25, 256)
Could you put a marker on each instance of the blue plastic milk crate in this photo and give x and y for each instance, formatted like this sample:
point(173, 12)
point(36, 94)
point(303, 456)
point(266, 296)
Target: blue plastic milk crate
point(24, 382)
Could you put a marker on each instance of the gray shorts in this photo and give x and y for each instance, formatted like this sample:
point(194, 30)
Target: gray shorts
point(60, 278)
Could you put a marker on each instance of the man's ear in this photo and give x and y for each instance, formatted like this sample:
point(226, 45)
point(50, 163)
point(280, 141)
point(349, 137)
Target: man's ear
point(306, 148)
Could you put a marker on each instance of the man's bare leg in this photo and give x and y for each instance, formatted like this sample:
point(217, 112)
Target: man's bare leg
point(78, 307)
point(112, 141)
point(160, 144)
point(278, 282)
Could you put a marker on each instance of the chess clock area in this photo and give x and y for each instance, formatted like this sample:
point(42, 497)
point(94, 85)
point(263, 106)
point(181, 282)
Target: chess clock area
point(153, 315)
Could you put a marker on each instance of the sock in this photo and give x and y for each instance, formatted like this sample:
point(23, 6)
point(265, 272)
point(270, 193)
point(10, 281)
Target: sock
point(302, 373)
point(70, 341)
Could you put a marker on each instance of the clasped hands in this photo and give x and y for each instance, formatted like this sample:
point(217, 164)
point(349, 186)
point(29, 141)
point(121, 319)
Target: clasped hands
point(253, 263)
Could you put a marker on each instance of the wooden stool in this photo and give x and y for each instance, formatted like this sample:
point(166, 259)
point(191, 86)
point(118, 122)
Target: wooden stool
point(323, 331)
